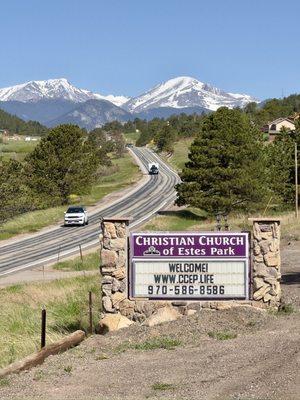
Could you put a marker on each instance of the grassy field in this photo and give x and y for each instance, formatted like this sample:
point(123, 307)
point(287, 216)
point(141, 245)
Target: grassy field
point(180, 155)
point(88, 262)
point(126, 173)
point(16, 150)
point(194, 220)
point(66, 302)
point(131, 137)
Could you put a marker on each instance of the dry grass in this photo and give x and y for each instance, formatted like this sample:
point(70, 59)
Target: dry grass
point(66, 302)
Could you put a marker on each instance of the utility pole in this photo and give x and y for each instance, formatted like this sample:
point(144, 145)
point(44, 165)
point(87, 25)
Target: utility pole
point(296, 180)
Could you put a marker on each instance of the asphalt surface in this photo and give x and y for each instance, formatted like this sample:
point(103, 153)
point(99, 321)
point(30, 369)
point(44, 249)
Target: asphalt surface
point(61, 242)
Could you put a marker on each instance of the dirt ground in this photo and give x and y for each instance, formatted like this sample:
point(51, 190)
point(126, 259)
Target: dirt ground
point(262, 362)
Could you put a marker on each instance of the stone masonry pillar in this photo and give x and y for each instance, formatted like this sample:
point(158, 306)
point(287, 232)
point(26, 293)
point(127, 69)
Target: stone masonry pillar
point(266, 261)
point(113, 268)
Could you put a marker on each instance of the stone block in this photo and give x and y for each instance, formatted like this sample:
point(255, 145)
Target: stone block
point(118, 244)
point(110, 230)
point(107, 304)
point(259, 258)
point(276, 230)
point(256, 231)
point(107, 289)
point(139, 317)
point(264, 246)
point(272, 259)
point(258, 283)
point(121, 230)
point(106, 279)
point(260, 270)
point(271, 280)
point(122, 286)
point(113, 322)
point(116, 298)
point(274, 245)
point(121, 261)
point(109, 258)
point(165, 314)
point(126, 308)
point(119, 273)
point(224, 305)
point(107, 270)
point(116, 285)
point(260, 293)
point(272, 292)
point(106, 243)
point(267, 235)
point(267, 297)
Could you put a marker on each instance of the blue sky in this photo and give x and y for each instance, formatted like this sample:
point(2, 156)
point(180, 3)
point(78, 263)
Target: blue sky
point(127, 46)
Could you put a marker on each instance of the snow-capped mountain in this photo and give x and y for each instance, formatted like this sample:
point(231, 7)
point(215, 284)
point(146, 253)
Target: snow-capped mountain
point(57, 101)
point(116, 100)
point(184, 91)
point(54, 89)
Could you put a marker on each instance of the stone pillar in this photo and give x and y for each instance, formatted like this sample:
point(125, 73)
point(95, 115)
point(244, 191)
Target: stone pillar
point(113, 268)
point(266, 261)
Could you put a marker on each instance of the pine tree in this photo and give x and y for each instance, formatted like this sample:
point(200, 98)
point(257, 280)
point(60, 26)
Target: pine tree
point(64, 162)
point(165, 138)
point(15, 196)
point(225, 170)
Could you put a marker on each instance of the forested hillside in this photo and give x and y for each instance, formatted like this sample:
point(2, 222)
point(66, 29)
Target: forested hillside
point(16, 125)
point(273, 108)
point(165, 132)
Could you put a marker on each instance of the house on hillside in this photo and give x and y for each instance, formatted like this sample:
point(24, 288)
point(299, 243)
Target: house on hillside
point(274, 127)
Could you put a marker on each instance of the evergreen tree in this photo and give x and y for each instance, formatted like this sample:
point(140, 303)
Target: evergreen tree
point(64, 162)
point(166, 138)
point(15, 195)
point(225, 170)
point(281, 165)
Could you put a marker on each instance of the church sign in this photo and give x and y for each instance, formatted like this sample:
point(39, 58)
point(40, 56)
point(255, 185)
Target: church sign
point(195, 266)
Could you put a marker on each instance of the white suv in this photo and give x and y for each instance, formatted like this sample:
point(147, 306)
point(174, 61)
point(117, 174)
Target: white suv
point(76, 215)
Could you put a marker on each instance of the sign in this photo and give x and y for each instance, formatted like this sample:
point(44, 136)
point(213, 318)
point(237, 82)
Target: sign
point(201, 266)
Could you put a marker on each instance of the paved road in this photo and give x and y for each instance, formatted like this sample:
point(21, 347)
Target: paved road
point(155, 193)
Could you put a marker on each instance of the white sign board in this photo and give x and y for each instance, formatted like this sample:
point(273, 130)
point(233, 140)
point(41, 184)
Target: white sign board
point(217, 266)
point(189, 278)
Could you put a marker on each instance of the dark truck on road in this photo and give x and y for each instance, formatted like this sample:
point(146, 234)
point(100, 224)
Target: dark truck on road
point(153, 168)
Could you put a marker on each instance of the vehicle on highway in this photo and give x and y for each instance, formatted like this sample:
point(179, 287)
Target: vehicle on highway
point(76, 215)
point(153, 168)
point(129, 144)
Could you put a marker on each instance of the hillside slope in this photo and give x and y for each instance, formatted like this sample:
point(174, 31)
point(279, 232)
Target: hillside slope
point(16, 125)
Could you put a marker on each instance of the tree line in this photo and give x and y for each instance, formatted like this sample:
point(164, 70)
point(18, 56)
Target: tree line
point(163, 133)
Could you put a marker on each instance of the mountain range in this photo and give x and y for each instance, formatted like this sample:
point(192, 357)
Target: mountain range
point(57, 101)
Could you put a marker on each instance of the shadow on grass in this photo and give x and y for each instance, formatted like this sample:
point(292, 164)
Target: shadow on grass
point(186, 214)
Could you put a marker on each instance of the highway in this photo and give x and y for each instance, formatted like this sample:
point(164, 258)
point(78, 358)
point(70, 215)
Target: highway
point(156, 192)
